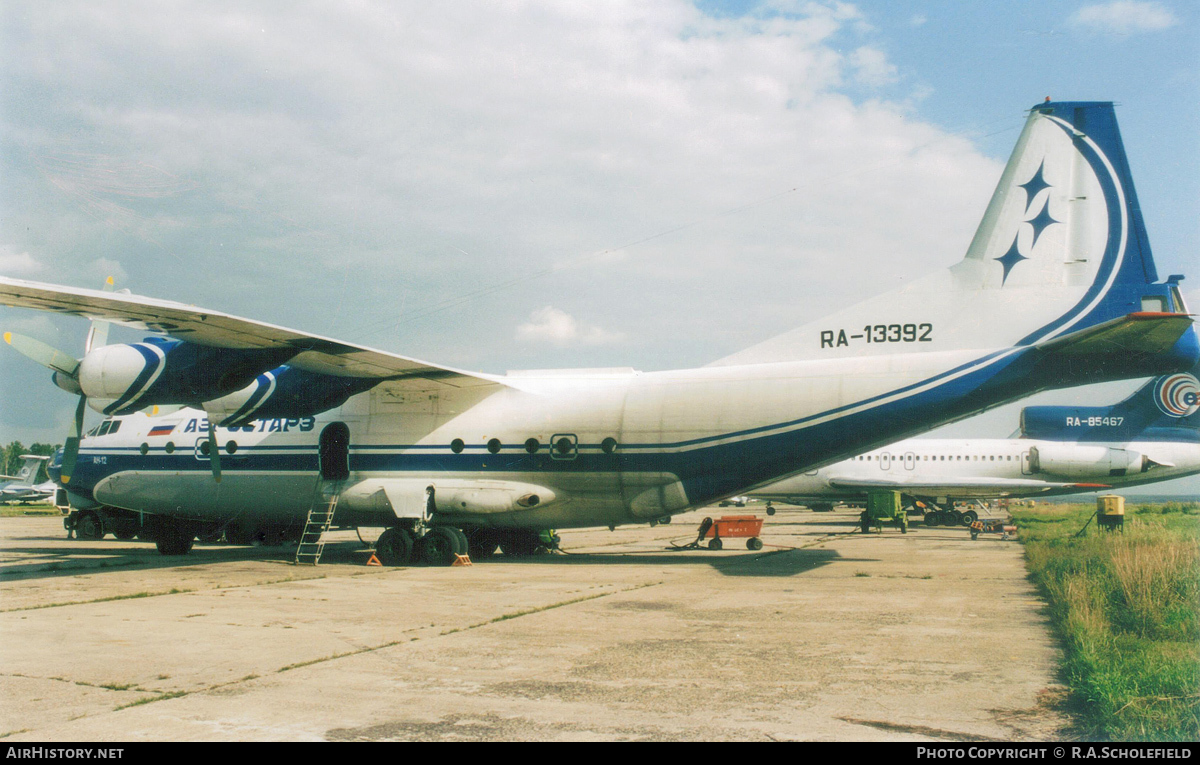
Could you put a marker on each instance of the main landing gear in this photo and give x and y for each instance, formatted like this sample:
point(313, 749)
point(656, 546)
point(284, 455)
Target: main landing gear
point(949, 516)
point(441, 545)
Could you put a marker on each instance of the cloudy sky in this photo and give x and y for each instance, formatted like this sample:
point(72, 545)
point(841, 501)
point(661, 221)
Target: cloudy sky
point(511, 185)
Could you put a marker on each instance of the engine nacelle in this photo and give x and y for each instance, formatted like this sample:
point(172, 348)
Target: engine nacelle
point(1086, 461)
point(165, 371)
point(458, 498)
point(285, 392)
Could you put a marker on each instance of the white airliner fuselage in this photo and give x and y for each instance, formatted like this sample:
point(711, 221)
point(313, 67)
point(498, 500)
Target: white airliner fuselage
point(986, 468)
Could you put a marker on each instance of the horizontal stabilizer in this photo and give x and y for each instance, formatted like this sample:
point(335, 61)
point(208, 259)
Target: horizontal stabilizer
point(1127, 346)
point(1150, 333)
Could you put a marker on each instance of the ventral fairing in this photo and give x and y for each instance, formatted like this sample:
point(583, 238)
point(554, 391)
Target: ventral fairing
point(1058, 288)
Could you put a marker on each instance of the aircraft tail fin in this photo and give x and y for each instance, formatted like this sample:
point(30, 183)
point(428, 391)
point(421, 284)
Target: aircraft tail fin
point(29, 470)
point(1061, 247)
point(1163, 408)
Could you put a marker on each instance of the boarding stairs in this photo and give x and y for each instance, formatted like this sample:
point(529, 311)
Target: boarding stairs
point(320, 515)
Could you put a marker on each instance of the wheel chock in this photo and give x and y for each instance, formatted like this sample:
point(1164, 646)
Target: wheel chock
point(373, 561)
point(461, 560)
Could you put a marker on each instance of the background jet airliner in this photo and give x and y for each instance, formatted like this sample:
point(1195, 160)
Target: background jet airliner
point(1154, 435)
point(21, 487)
point(1057, 288)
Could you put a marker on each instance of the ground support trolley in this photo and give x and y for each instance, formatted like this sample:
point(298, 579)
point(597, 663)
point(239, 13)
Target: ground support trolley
point(747, 527)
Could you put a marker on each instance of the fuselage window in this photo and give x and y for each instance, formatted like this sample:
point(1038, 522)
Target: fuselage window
point(494, 445)
point(532, 445)
point(116, 425)
point(457, 445)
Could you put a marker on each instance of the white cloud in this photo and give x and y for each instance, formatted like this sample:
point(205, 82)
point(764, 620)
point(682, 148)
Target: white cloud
point(1124, 17)
point(551, 325)
point(872, 67)
point(14, 263)
point(414, 176)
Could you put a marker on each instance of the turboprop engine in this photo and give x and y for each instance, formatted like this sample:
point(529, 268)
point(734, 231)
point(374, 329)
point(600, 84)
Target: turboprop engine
point(1086, 461)
point(285, 392)
point(165, 371)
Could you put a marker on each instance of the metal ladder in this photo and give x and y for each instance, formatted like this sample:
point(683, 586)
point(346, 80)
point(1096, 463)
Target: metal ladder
point(320, 515)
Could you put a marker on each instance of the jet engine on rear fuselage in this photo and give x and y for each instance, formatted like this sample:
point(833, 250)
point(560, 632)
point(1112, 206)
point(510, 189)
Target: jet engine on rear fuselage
point(1076, 460)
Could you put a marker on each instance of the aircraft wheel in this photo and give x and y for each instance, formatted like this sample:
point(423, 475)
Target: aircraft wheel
point(461, 547)
point(438, 547)
point(753, 543)
point(394, 547)
point(969, 517)
point(125, 531)
point(519, 543)
point(482, 543)
point(770, 510)
point(715, 543)
point(89, 526)
point(931, 519)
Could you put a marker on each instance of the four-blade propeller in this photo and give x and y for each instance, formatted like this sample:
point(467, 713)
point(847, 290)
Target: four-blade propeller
point(66, 376)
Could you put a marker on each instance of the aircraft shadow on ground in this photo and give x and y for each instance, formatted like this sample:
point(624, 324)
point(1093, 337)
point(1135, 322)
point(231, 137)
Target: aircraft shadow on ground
point(97, 558)
point(765, 563)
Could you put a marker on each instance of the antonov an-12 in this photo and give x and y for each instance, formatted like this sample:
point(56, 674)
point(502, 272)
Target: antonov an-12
point(1058, 288)
point(1152, 436)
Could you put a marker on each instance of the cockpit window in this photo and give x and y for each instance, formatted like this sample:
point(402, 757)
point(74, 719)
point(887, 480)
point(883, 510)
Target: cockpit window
point(1154, 303)
point(1177, 298)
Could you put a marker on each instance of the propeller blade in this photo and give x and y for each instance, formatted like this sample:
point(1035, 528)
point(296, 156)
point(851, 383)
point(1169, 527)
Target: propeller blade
point(214, 451)
point(71, 445)
point(43, 354)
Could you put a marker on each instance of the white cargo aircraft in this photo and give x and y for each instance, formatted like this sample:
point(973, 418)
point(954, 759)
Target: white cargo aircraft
point(21, 487)
point(1057, 288)
point(1152, 436)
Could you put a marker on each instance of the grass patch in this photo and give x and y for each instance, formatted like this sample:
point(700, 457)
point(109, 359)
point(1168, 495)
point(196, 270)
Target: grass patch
point(152, 699)
point(1127, 608)
point(16, 511)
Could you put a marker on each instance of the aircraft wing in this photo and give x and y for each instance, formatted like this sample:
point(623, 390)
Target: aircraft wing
point(958, 486)
point(221, 330)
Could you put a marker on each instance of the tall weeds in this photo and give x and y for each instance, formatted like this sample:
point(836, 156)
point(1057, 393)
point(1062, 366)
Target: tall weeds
point(1126, 606)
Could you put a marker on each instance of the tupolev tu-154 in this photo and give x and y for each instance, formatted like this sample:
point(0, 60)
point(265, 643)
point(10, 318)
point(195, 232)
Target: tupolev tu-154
point(1152, 436)
point(1057, 288)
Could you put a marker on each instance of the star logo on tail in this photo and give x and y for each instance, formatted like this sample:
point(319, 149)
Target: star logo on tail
point(1034, 186)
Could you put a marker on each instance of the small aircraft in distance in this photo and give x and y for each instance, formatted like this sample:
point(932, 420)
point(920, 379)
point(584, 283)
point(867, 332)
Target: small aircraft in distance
point(20, 488)
point(1152, 436)
point(1058, 288)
